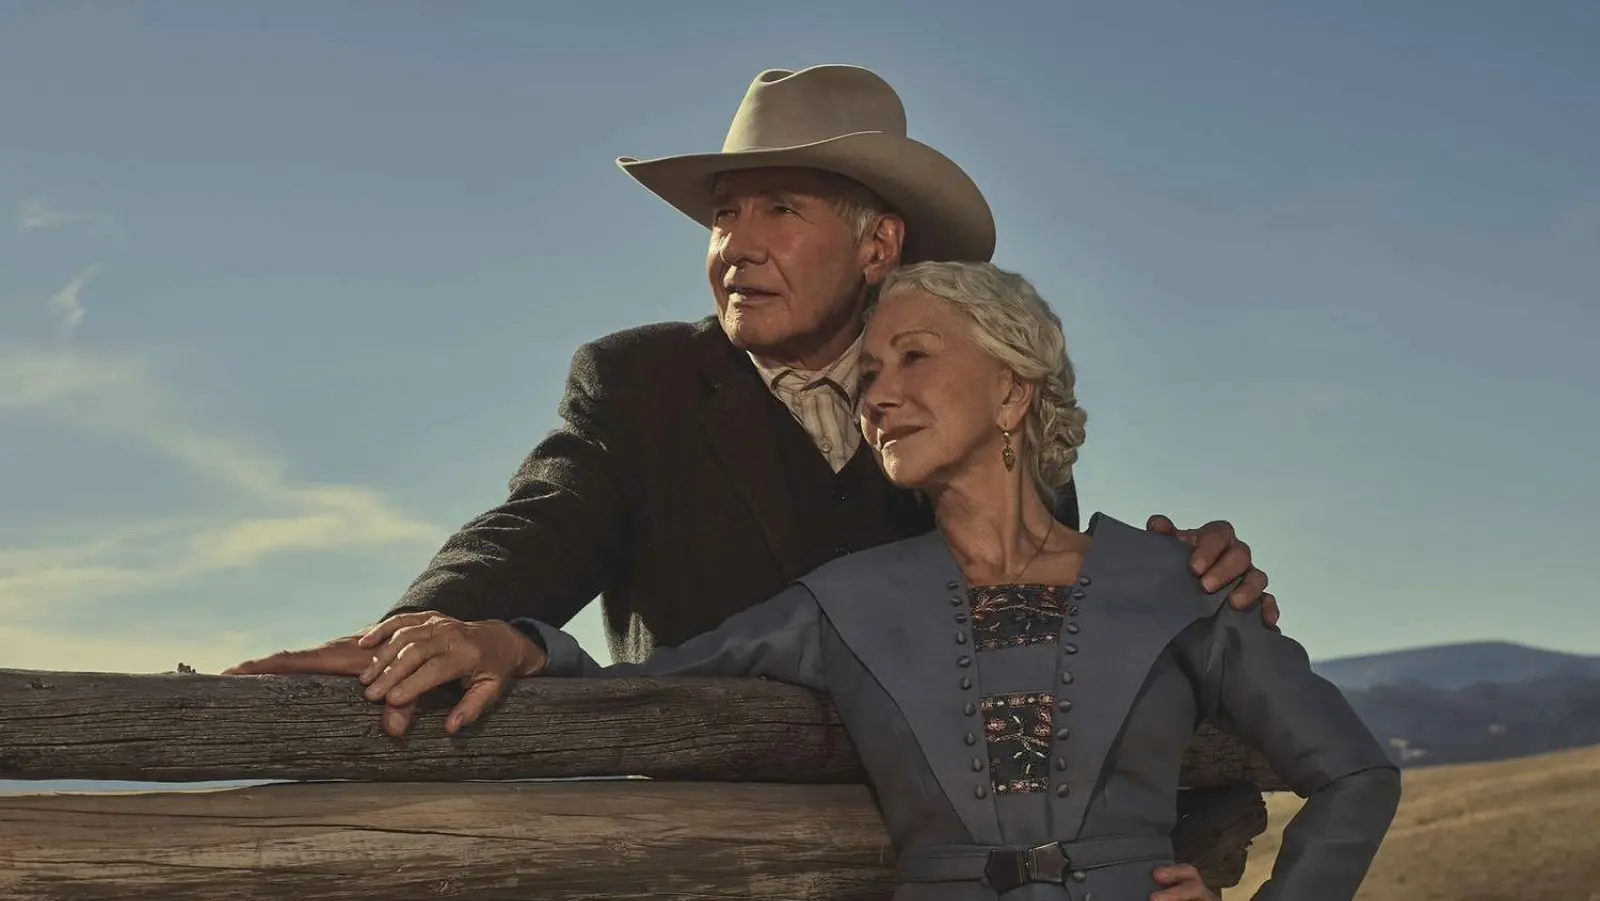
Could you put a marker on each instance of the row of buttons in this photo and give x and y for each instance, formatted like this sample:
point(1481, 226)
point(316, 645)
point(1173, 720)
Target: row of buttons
point(1063, 705)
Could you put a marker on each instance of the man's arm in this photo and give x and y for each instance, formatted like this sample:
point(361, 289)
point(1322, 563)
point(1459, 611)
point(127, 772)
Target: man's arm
point(551, 546)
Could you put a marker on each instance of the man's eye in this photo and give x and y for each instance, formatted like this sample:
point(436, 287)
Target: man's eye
point(911, 356)
point(786, 209)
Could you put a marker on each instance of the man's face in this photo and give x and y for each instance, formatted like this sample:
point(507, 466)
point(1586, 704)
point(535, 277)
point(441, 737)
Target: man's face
point(788, 275)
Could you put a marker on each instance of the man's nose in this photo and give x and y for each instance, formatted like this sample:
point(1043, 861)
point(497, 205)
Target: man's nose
point(744, 243)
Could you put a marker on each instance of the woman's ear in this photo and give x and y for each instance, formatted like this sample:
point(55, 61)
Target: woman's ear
point(1019, 398)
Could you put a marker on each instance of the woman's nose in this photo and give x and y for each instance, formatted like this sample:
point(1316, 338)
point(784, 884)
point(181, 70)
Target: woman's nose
point(878, 397)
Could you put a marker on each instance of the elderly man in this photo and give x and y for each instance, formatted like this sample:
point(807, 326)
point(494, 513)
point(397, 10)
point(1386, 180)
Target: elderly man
point(703, 466)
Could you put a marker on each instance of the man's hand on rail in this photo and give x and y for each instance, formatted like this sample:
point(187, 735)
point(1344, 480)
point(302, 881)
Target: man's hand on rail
point(409, 654)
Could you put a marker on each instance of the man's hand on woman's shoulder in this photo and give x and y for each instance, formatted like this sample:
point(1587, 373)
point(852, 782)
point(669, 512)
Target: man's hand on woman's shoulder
point(1219, 557)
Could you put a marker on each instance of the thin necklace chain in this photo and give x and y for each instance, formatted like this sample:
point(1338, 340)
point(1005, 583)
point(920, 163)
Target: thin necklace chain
point(1042, 539)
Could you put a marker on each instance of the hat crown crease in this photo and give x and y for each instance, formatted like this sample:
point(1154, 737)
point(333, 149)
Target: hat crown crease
point(783, 109)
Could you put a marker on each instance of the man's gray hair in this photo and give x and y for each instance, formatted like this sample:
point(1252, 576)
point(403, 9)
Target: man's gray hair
point(858, 205)
point(1015, 326)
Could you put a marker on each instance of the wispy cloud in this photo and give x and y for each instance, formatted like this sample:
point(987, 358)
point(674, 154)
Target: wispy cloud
point(66, 307)
point(125, 397)
point(39, 214)
point(30, 648)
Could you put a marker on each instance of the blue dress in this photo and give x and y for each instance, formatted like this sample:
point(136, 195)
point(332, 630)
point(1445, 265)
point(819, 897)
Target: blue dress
point(1024, 742)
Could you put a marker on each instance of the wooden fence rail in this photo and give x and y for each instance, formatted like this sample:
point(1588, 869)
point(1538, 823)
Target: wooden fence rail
point(754, 792)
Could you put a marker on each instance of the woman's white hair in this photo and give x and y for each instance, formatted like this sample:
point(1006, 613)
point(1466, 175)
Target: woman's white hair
point(1015, 326)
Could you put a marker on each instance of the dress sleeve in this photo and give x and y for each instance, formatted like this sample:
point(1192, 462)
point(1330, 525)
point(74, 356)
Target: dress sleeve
point(1261, 681)
point(780, 639)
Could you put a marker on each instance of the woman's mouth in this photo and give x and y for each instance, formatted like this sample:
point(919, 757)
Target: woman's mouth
point(892, 435)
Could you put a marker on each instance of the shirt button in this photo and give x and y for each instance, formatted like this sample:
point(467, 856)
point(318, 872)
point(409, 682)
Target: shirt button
point(826, 447)
point(1063, 790)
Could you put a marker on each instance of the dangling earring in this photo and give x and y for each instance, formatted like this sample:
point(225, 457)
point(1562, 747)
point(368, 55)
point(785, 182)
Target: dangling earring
point(1007, 455)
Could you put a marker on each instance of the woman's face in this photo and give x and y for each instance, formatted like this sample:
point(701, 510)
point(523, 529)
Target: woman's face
point(933, 403)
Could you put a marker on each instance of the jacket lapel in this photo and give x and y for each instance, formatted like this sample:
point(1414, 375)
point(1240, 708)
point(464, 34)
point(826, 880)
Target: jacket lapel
point(1135, 596)
point(735, 422)
point(895, 607)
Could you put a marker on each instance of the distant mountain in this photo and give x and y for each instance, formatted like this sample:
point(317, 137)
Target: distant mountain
point(1423, 726)
point(1455, 666)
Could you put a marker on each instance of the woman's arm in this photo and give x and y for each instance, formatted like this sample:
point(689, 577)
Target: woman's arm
point(780, 638)
point(1261, 681)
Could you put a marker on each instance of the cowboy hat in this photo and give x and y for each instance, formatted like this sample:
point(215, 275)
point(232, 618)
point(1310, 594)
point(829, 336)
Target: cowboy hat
point(849, 121)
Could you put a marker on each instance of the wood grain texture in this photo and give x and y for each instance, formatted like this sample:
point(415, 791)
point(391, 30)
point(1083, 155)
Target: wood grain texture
point(183, 727)
point(744, 828)
point(486, 842)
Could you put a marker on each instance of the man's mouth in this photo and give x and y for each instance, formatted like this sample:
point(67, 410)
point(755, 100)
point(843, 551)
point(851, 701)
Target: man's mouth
point(748, 292)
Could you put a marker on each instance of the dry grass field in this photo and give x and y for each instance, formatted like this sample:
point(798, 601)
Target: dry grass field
point(1516, 830)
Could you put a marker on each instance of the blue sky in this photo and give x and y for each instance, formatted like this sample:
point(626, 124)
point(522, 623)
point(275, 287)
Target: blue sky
point(287, 290)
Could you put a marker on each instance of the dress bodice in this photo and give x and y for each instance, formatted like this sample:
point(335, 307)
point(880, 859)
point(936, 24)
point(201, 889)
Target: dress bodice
point(1016, 630)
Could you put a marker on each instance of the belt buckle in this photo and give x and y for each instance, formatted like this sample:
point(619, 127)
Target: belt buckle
point(1008, 870)
point(1047, 863)
point(1005, 870)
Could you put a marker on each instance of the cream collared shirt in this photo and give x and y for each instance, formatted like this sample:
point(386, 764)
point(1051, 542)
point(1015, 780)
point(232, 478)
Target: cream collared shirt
point(820, 402)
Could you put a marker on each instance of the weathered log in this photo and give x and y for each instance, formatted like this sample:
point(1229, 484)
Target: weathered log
point(193, 728)
point(589, 840)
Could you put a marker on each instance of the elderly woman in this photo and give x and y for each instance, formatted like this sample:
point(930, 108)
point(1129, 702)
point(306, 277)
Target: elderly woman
point(1022, 694)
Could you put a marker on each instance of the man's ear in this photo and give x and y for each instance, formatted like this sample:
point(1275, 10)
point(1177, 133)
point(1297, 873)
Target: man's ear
point(881, 248)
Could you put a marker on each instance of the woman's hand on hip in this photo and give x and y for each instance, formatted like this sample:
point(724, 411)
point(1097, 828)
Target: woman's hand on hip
point(415, 653)
point(1183, 884)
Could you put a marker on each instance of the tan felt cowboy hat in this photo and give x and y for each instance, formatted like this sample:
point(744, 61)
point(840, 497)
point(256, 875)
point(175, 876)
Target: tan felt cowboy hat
point(846, 120)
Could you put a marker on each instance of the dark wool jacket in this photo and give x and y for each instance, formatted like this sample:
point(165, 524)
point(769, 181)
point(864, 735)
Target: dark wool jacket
point(678, 490)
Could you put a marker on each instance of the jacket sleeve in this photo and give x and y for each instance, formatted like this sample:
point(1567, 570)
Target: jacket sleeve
point(1261, 681)
point(547, 550)
point(780, 639)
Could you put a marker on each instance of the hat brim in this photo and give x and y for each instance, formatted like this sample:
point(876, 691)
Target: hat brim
point(946, 215)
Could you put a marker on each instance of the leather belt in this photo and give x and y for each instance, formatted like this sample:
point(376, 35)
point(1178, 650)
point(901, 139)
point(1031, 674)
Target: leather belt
point(1007, 868)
